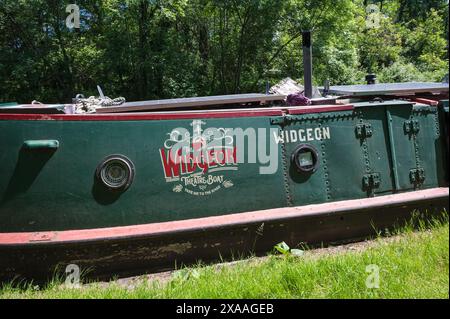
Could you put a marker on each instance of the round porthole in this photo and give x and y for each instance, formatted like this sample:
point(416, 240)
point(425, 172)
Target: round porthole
point(305, 158)
point(116, 172)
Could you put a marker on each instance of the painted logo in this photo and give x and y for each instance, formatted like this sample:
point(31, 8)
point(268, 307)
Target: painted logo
point(195, 163)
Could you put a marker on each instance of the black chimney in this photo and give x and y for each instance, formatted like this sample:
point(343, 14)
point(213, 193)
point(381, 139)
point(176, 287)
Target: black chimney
point(371, 78)
point(307, 62)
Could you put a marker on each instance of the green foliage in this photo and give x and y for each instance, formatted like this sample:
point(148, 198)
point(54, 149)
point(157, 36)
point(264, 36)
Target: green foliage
point(427, 45)
point(380, 46)
point(145, 49)
point(400, 72)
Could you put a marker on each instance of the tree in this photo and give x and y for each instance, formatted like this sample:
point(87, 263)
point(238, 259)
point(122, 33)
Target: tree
point(150, 49)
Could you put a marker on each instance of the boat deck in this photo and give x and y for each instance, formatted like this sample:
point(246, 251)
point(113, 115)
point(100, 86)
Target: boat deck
point(253, 104)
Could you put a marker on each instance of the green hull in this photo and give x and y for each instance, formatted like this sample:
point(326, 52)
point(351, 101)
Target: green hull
point(48, 178)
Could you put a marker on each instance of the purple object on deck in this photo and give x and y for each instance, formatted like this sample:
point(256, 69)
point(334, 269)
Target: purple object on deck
point(298, 99)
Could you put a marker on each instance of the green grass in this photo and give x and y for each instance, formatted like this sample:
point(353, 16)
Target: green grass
point(414, 265)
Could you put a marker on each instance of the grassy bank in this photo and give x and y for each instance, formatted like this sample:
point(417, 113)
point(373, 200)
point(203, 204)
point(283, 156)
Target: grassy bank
point(411, 265)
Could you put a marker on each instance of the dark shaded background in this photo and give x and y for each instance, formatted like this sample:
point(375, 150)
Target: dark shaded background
point(146, 49)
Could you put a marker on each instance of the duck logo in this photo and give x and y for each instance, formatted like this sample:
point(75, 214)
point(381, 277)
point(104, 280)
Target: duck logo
point(197, 162)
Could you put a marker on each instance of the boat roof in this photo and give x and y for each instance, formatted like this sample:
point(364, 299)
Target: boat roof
point(347, 94)
point(181, 103)
point(410, 88)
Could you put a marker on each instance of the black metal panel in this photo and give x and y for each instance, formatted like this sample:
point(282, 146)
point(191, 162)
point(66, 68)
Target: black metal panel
point(33, 109)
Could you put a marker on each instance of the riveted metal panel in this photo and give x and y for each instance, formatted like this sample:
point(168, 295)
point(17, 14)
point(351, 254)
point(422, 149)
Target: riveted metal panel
point(416, 142)
point(305, 188)
point(402, 143)
point(370, 152)
point(344, 158)
point(431, 155)
point(444, 126)
point(345, 164)
point(376, 150)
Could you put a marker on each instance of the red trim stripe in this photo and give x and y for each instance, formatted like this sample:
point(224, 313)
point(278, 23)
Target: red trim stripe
point(212, 223)
point(320, 109)
point(425, 101)
point(276, 111)
point(139, 116)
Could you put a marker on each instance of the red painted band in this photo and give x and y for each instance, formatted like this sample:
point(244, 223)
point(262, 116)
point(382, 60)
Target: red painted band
point(320, 109)
point(212, 223)
point(139, 116)
point(425, 101)
point(173, 115)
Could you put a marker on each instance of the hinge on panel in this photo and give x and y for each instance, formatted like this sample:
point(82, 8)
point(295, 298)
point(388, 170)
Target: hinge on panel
point(279, 120)
point(364, 130)
point(412, 126)
point(371, 181)
point(417, 176)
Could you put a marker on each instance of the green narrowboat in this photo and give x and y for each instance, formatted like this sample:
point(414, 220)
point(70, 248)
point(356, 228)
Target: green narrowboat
point(151, 185)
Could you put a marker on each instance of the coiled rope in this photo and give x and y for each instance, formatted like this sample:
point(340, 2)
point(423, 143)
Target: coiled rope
point(92, 103)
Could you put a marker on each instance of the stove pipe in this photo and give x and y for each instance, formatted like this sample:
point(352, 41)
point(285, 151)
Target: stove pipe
point(307, 62)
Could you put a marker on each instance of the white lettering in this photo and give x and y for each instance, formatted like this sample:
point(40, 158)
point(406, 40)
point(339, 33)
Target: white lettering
point(326, 133)
point(301, 134)
point(318, 134)
point(309, 132)
point(278, 138)
point(293, 136)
